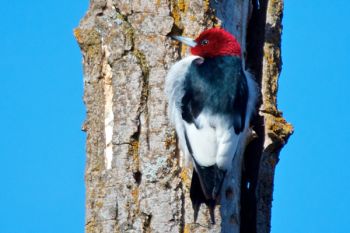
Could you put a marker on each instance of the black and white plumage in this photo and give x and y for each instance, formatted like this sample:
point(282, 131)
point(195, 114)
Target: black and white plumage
point(211, 101)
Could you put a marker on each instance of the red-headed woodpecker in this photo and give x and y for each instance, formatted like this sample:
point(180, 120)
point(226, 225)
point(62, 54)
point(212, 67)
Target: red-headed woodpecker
point(211, 101)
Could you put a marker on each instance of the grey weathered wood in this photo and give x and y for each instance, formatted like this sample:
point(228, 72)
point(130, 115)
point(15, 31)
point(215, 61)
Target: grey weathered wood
point(136, 179)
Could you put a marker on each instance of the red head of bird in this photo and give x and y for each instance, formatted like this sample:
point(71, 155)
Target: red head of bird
point(213, 42)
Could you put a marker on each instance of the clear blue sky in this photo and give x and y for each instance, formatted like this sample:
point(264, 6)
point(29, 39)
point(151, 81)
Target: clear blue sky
point(312, 188)
point(42, 150)
point(42, 156)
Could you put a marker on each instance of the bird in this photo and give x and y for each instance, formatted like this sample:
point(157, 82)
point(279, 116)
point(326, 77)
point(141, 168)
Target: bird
point(211, 100)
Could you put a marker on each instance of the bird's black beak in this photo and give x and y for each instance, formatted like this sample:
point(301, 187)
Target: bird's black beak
point(187, 41)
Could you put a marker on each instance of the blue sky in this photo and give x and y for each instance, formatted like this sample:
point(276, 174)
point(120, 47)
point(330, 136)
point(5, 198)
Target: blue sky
point(312, 188)
point(42, 149)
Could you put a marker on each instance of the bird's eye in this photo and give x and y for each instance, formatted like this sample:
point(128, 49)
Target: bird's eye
point(204, 42)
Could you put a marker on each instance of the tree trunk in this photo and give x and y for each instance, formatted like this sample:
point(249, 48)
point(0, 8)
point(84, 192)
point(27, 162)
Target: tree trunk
point(136, 179)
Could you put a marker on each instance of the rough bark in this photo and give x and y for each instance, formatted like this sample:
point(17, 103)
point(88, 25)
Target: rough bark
point(136, 180)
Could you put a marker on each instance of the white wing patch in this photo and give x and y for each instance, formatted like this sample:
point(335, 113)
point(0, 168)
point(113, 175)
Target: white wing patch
point(214, 142)
point(174, 90)
point(203, 141)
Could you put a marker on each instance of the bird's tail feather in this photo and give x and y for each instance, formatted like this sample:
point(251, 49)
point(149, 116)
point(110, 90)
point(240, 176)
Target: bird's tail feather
point(205, 188)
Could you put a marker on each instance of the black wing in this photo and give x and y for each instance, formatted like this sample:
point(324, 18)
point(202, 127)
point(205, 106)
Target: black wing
point(240, 103)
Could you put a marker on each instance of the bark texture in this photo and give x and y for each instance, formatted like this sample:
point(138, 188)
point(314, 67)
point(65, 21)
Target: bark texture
point(136, 180)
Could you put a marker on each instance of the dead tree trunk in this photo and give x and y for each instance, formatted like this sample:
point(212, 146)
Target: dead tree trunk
point(135, 177)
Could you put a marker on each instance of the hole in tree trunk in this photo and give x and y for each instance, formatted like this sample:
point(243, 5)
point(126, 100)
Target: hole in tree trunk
point(138, 177)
